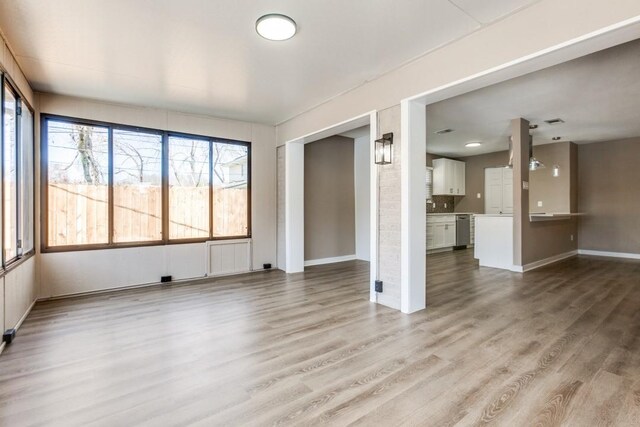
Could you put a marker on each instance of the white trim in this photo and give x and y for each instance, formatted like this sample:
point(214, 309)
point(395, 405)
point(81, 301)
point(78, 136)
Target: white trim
point(543, 262)
point(373, 208)
point(24, 316)
point(612, 35)
point(626, 255)
point(331, 260)
point(335, 129)
point(17, 325)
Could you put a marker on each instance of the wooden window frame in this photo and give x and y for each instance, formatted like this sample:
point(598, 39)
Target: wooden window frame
point(44, 185)
point(7, 265)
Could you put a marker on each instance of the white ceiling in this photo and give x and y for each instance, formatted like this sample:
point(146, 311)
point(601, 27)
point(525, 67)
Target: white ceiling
point(598, 97)
point(204, 56)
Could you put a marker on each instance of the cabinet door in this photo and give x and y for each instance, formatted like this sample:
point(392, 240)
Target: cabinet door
point(439, 177)
point(449, 234)
point(439, 235)
point(507, 190)
point(459, 183)
point(493, 190)
point(450, 177)
point(430, 236)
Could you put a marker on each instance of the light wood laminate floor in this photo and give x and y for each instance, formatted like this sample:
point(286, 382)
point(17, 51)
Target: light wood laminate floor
point(557, 346)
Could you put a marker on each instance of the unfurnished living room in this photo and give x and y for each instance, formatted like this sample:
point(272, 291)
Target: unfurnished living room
point(320, 212)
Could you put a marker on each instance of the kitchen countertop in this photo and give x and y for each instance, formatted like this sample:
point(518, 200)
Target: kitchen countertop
point(452, 213)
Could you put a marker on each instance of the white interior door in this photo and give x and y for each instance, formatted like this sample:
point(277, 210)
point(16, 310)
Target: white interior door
point(493, 190)
point(507, 190)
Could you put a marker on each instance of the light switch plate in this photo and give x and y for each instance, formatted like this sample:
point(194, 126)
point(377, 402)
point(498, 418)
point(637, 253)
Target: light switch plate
point(525, 185)
point(479, 196)
point(539, 203)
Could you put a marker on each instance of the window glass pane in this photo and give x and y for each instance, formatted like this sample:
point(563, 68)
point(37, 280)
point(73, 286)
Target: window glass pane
point(26, 179)
point(230, 178)
point(77, 184)
point(188, 188)
point(137, 191)
point(10, 176)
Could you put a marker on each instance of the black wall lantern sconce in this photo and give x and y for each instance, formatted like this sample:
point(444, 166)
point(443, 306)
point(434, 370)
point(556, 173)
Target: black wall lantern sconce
point(384, 152)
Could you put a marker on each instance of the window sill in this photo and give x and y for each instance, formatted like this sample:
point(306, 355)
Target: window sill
point(17, 263)
point(79, 248)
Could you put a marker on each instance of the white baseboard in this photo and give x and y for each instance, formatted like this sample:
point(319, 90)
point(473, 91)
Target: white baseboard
point(609, 254)
point(543, 262)
point(331, 260)
point(17, 326)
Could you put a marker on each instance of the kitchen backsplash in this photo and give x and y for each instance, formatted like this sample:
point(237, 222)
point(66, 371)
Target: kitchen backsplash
point(440, 202)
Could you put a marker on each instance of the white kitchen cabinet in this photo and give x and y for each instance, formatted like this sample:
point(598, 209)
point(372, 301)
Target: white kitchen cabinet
point(441, 231)
point(498, 190)
point(448, 177)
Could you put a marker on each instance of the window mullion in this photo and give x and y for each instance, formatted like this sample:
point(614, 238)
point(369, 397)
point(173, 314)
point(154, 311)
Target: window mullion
point(165, 187)
point(210, 189)
point(110, 183)
point(2, 138)
point(18, 178)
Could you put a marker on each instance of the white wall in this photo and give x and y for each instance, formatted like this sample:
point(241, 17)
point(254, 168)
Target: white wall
point(18, 287)
point(362, 182)
point(82, 271)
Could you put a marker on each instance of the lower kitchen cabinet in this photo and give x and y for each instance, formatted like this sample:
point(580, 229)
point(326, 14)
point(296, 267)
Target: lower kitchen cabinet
point(441, 232)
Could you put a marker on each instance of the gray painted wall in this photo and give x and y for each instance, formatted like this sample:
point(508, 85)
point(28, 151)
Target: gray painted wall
point(329, 198)
point(609, 196)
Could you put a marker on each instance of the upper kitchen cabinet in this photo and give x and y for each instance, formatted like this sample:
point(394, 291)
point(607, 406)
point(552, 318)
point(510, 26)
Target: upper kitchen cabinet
point(448, 177)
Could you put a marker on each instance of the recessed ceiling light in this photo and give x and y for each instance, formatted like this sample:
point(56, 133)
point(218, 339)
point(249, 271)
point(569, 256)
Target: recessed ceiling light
point(554, 121)
point(556, 138)
point(443, 131)
point(473, 144)
point(276, 27)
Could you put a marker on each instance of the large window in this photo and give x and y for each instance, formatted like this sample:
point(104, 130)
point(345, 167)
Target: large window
point(78, 190)
point(10, 176)
point(189, 188)
point(110, 185)
point(137, 186)
point(16, 160)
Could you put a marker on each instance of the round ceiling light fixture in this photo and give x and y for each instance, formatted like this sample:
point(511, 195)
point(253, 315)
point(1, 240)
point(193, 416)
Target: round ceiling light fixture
point(275, 26)
point(473, 144)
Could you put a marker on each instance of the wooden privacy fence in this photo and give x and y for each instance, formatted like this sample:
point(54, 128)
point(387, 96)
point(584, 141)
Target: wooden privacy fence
point(79, 213)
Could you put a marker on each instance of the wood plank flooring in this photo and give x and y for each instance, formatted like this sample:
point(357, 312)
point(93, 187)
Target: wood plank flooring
point(556, 346)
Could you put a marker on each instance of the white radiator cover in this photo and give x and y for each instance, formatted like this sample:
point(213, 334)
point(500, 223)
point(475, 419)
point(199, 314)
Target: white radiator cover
point(225, 257)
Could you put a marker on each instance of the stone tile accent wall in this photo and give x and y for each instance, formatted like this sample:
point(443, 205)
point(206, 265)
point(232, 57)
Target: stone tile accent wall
point(390, 212)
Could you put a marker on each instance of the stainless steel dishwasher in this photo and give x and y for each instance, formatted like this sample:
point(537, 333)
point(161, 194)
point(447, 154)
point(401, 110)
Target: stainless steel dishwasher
point(463, 230)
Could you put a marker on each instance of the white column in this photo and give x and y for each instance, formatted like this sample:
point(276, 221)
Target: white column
point(294, 211)
point(413, 192)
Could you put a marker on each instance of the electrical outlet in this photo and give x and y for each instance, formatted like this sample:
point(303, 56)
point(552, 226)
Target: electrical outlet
point(378, 286)
point(479, 196)
point(539, 204)
point(572, 237)
point(445, 206)
point(434, 205)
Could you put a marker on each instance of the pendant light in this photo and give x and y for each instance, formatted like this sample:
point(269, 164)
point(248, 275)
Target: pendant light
point(534, 164)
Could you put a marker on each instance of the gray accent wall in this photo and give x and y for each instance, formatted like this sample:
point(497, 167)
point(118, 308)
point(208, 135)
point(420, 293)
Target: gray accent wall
point(609, 196)
point(329, 198)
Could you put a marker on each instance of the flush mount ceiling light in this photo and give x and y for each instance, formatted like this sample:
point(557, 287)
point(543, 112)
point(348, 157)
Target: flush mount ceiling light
point(473, 144)
point(276, 27)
